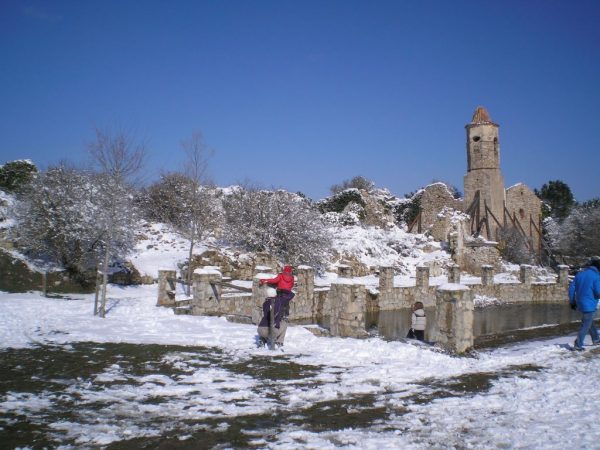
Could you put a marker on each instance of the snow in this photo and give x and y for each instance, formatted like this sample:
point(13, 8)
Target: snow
point(374, 246)
point(453, 287)
point(532, 409)
point(536, 409)
point(159, 247)
point(481, 301)
point(208, 270)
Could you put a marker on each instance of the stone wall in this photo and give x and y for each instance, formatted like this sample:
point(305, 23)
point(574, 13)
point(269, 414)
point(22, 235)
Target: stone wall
point(477, 253)
point(234, 266)
point(434, 199)
point(391, 297)
point(348, 306)
point(525, 207)
point(347, 301)
point(303, 307)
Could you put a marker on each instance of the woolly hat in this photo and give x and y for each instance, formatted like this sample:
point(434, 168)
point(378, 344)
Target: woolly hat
point(287, 269)
point(595, 262)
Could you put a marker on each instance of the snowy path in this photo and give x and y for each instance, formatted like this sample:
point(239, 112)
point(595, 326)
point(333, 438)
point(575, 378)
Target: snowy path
point(377, 394)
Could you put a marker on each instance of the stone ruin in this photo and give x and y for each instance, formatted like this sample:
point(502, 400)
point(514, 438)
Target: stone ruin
point(346, 301)
point(490, 206)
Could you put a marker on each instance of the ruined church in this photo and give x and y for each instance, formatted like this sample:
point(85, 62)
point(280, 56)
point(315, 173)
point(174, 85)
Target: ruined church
point(492, 209)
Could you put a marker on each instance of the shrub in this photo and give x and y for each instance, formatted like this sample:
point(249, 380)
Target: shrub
point(15, 175)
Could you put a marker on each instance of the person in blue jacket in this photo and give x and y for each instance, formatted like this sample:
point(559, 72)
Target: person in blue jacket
point(584, 292)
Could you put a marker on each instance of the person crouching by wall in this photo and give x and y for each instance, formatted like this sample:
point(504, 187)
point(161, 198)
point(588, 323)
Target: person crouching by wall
point(418, 322)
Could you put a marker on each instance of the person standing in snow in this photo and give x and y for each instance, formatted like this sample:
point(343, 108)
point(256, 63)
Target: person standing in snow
point(418, 322)
point(283, 283)
point(584, 292)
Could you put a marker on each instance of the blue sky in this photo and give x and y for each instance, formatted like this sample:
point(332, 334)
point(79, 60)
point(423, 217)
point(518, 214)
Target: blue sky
point(304, 94)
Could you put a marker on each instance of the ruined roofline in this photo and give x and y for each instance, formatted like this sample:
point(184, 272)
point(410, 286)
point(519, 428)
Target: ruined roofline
point(481, 117)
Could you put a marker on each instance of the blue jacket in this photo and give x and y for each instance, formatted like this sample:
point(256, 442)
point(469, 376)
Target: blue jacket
point(584, 290)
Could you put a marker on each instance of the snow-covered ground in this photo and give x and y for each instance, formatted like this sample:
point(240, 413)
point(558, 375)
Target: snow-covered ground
point(535, 395)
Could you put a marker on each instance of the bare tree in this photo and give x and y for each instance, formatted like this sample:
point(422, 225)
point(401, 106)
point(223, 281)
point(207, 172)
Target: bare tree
point(118, 158)
point(202, 208)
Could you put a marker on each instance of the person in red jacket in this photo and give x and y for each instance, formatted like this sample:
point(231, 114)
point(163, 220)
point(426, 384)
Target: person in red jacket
point(284, 283)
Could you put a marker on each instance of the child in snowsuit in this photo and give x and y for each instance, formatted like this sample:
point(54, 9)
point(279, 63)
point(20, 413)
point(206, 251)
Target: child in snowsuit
point(283, 282)
point(418, 322)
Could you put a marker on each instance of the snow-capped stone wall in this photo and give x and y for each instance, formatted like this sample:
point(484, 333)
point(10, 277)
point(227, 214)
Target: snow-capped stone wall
point(347, 300)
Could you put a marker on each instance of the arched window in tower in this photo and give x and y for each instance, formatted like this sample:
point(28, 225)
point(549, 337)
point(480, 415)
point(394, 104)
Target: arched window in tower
point(476, 138)
point(521, 213)
point(496, 145)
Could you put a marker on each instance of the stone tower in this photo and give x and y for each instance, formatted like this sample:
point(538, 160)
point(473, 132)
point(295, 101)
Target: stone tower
point(483, 169)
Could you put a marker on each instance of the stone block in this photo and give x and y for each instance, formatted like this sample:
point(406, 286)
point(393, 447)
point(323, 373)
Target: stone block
point(166, 294)
point(487, 275)
point(454, 274)
point(454, 318)
point(422, 277)
point(526, 274)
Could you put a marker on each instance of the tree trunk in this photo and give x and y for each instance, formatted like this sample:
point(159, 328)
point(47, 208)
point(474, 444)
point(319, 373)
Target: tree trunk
point(188, 287)
point(97, 292)
point(105, 276)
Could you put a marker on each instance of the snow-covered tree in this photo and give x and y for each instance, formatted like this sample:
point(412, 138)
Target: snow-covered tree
point(278, 222)
point(118, 159)
point(55, 219)
point(515, 247)
point(579, 233)
point(163, 200)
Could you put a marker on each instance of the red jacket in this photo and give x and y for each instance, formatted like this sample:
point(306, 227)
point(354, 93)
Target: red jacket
point(284, 280)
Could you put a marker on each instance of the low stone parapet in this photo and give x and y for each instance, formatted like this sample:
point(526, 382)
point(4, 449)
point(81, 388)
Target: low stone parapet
point(166, 293)
point(302, 307)
point(526, 274)
point(563, 275)
point(487, 275)
point(454, 318)
point(207, 291)
point(454, 274)
point(348, 309)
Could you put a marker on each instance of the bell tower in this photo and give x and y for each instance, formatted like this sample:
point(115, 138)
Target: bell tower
point(484, 178)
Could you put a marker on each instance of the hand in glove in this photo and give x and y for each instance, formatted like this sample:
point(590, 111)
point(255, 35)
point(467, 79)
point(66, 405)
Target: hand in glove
point(573, 306)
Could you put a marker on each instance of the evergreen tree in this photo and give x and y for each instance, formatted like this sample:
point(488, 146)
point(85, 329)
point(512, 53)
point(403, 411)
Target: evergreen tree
point(358, 182)
point(558, 199)
point(15, 175)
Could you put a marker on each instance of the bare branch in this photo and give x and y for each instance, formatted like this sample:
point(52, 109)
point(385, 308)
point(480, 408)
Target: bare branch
point(117, 154)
